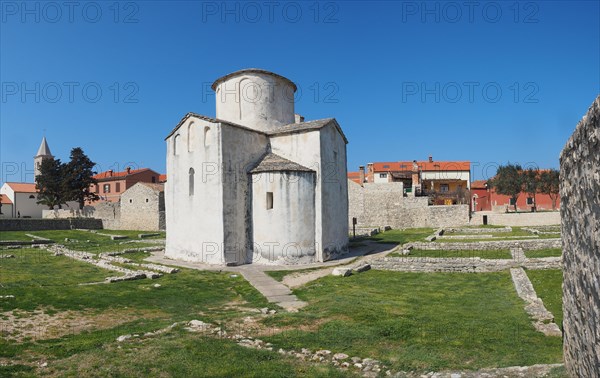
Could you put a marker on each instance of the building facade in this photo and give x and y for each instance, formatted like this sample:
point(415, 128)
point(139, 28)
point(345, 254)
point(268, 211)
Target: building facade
point(6, 207)
point(143, 207)
point(485, 198)
point(445, 182)
point(256, 184)
point(111, 185)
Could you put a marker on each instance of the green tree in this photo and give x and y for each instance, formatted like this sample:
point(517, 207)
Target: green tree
point(531, 184)
point(79, 178)
point(549, 184)
point(509, 181)
point(50, 183)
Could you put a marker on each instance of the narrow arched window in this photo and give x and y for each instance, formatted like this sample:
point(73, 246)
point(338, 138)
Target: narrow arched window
point(206, 136)
point(191, 137)
point(176, 144)
point(191, 181)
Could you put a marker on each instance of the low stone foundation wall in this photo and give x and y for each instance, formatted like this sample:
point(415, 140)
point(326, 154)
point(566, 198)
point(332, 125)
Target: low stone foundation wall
point(477, 230)
point(488, 245)
point(545, 218)
point(108, 213)
point(377, 205)
point(25, 224)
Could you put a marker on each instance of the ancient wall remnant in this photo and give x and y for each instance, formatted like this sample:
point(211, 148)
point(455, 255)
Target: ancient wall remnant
point(580, 213)
point(384, 204)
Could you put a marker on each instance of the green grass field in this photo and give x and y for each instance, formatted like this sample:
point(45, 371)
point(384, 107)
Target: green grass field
point(545, 252)
point(512, 235)
point(548, 286)
point(402, 236)
point(42, 282)
point(411, 321)
point(84, 241)
point(419, 321)
point(492, 254)
point(15, 236)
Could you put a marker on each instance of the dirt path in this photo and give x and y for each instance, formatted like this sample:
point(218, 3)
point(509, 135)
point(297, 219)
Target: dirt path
point(295, 280)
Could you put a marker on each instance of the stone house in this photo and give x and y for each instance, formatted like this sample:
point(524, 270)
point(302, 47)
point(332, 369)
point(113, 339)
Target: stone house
point(255, 184)
point(143, 207)
point(112, 184)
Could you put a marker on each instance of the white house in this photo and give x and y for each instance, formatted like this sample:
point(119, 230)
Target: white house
point(6, 206)
point(23, 195)
point(256, 184)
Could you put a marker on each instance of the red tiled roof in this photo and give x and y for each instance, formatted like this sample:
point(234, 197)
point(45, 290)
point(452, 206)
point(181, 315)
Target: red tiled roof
point(162, 178)
point(5, 200)
point(479, 184)
point(155, 187)
point(423, 165)
point(354, 176)
point(107, 174)
point(22, 187)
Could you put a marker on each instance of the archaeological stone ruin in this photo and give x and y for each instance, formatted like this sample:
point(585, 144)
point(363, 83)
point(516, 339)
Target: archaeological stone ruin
point(580, 213)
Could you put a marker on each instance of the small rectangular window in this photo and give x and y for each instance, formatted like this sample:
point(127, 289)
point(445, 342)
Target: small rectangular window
point(382, 175)
point(444, 188)
point(269, 200)
point(106, 188)
point(529, 200)
point(118, 187)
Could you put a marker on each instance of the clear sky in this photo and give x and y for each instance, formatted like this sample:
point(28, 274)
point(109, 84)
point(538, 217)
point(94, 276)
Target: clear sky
point(488, 82)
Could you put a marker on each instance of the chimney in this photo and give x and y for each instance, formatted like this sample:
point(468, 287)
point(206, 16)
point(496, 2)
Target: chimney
point(128, 170)
point(298, 118)
point(110, 172)
point(370, 173)
point(361, 171)
point(430, 159)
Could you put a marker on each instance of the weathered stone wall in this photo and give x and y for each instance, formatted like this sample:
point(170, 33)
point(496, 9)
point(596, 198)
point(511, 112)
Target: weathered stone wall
point(490, 245)
point(580, 213)
point(382, 204)
point(26, 224)
point(543, 218)
point(108, 212)
point(141, 208)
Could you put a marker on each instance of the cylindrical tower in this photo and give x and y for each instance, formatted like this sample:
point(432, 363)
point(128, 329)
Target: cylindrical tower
point(255, 98)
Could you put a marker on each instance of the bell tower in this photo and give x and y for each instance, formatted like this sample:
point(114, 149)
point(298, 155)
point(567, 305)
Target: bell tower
point(43, 153)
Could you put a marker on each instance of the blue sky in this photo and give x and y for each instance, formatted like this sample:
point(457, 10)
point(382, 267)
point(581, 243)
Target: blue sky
point(488, 82)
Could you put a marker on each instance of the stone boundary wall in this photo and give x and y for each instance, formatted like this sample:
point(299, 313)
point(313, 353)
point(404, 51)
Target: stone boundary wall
point(31, 224)
point(108, 212)
point(460, 264)
point(580, 211)
point(488, 245)
point(380, 205)
point(542, 218)
point(477, 230)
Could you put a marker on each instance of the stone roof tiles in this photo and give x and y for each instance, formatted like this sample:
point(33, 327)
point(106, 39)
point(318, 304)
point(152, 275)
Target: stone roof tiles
point(250, 71)
point(283, 130)
point(44, 149)
point(275, 163)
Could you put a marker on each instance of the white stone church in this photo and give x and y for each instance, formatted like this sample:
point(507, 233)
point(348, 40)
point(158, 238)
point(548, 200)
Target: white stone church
point(256, 184)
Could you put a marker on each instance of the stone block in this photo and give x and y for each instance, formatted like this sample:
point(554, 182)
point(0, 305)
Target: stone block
point(343, 272)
